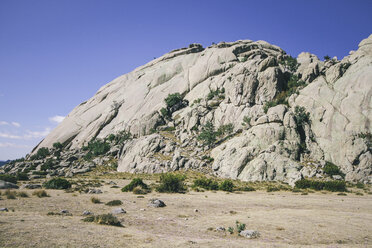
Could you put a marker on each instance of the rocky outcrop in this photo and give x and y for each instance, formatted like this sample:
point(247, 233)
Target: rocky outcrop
point(285, 117)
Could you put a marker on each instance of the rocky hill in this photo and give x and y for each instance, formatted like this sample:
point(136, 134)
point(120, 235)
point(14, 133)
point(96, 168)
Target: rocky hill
point(243, 110)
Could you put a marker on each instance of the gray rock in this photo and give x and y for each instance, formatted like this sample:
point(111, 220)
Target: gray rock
point(7, 185)
point(86, 212)
point(94, 191)
point(220, 229)
point(156, 203)
point(31, 186)
point(64, 211)
point(118, 211)
point(250, 234)
point(4, 210)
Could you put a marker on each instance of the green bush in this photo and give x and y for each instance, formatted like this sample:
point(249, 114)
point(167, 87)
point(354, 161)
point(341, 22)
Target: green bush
point(335, 186)
point(22, 194)
point(290, 63)
point(220, 94)
point(47, 165)
point(58, 145)
point(226, 185)
point(208, 135)
point(359, 185)
point(171, 183)
point(40, 154)
point(246, 121)
point(40, 173)
point(205, 183)
point(21, 176)
point(173, 99)
point(240, 226)
point(225, 129)
point(8, 178)
point(338, 186)
point(301, 116)
point(57, 183)
point(95, 200)
point(332, 169)
point(114, 203)
point(136, 182)
point(103, 219)
point(98, 147)
point(326, 58)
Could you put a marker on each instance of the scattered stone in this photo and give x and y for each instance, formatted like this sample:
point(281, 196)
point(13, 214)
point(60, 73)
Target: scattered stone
point(112, 183)
point(142, 209)
point(250, 234)
point(195, 210)
point(118, 211)
point(86, 212)
point(7, 185)
point(4, 210)
point(94, 191)
point(337, 177)
point(64, 211)
point(220, 229)
point(31, 186)
point(156, 203)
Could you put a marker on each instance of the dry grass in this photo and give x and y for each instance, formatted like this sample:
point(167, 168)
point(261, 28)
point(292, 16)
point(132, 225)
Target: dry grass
point(283, 218)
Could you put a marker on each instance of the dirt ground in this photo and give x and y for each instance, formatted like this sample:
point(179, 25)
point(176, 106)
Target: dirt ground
point(284, 219)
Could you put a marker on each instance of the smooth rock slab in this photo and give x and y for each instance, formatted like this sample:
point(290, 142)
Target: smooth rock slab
point(156, 203)
point(250, 234)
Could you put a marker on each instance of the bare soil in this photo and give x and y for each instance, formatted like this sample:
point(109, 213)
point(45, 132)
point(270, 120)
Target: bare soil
point(284, 219)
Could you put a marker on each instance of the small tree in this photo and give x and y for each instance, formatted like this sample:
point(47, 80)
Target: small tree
point(173, 99)
point(326, 58)
point(58, 145)
point(208, 135)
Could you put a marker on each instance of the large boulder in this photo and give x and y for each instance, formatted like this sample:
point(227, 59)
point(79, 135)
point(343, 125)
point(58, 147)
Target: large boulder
point(7, 185)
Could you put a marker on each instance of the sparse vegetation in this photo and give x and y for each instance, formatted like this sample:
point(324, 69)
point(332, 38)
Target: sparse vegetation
point(301, 116)
point(114, 203)
point(22, 194)
point(97, 147)
point(219, 94)
point(246, 121)
point(326, 58)
point(239, 226)
point(103, 219)
point(10, 194)
point(57, 183)
point(40, 193)
point(225, 129)
point(47, 165)
point(208, 135)
point(290, 63)
point(171, 183)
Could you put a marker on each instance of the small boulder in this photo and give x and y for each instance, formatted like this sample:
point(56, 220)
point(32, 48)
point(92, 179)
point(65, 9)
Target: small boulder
point(156, 203)
point(7, 185)
point(86, 212)
point(220, 229)
point(337, 177)
point(250, 234)
point(64, 211)
point(118, 211)
point(4, 210)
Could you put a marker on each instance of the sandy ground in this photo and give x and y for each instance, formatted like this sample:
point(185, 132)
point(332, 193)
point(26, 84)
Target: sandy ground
point(284, 219)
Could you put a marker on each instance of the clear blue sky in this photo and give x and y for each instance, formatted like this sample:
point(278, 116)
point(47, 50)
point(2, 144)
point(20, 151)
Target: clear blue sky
point(56, 54)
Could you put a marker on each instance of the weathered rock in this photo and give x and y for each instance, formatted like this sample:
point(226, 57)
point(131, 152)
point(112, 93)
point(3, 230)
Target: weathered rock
point(250, 234)
point(86, 212)
point(94, 191)
point(118, 211)
point(31, 186)
point(4, 210)
point(156, 203)
point(7, 185)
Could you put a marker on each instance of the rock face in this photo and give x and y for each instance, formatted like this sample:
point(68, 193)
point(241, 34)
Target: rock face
point(285, 117)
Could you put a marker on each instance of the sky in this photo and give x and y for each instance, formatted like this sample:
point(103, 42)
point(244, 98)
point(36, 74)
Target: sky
point(56, 54)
